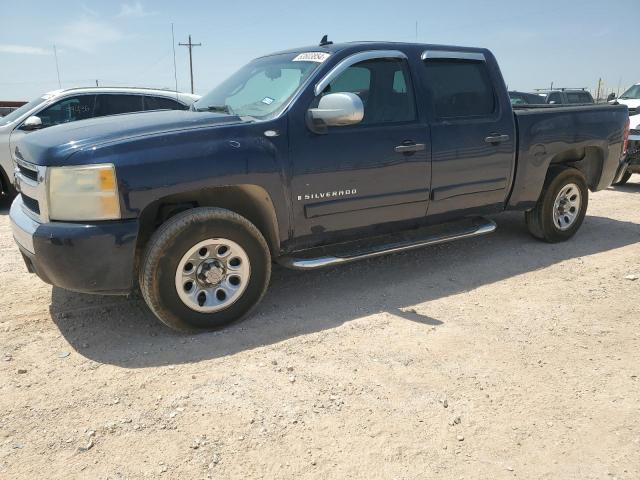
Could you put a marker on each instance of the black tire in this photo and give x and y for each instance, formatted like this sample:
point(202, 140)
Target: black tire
point(6, 188)
point(624, 179)
point(540, 220)
point(173, 239)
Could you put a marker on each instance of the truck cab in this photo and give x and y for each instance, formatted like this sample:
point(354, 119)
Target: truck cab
point(569, 96)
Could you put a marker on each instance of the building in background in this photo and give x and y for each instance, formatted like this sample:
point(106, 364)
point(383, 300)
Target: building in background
point(6, 107)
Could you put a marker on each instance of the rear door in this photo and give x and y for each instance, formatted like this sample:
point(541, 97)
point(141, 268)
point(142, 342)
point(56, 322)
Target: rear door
point(472, 132)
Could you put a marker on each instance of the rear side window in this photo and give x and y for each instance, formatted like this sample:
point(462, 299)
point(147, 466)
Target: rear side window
point(578, 97)
point(68, 110)
point(162, 103)
point(555, 98)
point(460, 88)
point(116, 104)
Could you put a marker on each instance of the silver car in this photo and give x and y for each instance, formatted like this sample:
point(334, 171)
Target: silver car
point(70, 105)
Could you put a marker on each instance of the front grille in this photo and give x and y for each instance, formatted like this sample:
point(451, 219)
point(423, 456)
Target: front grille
point(31, 185)
point(27, 172)
point(31, 203)
point(633, 111)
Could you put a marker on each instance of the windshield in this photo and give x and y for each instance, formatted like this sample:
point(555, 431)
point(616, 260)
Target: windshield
point(16, 114)
point(632, 94)
point(262, 87)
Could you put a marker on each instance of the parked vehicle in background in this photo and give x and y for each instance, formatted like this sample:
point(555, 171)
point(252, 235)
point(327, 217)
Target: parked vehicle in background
point(633, 150)
point(72, 104)
point(568, 96)
point(630, 98)
point(310, 157)
point(523, 98)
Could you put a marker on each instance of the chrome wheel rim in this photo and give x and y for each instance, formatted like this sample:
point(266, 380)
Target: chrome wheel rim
point(212, 275)
point(566, 207)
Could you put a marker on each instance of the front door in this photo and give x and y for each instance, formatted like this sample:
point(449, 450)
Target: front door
point(363, 175)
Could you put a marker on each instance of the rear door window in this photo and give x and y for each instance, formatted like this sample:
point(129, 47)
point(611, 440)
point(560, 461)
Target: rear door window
point(161, 103)
point(114, 104)
point(460, 88)
point(578, 97)
point(555, 98)
point(70, 109)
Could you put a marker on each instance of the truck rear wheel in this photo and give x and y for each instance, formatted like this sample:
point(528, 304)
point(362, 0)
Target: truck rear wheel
point(204, 268)
point(561, 207)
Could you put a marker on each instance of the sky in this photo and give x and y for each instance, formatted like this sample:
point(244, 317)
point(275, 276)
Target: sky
point(128, 43)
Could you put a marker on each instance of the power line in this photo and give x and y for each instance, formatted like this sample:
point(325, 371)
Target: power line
point(190, 46)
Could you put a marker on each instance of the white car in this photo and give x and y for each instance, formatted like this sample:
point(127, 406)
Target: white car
point(70, 105)
point(630, 98)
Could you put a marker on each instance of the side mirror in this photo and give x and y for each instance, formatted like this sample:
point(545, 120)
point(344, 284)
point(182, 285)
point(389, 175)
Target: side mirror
point(335, 110)
point(32, 123)
point(611, 97)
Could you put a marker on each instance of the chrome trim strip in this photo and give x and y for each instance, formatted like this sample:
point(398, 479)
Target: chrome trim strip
point(431, 54)
point(22, 225)
point(351, 60)
point(320, 262)
point(34, 189)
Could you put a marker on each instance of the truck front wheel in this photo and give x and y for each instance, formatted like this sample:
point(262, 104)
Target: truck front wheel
point(204, 268)
point(561, 207)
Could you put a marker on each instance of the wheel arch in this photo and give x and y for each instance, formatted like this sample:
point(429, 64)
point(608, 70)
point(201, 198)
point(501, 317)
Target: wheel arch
point(588, 160)
point(251, 201)
point(534, 169)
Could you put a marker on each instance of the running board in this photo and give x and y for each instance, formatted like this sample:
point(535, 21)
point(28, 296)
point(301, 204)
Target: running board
point(382, 245)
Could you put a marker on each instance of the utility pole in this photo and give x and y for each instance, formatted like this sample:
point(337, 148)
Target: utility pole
point(55, 54)
point(598, 94)
point(190, 46)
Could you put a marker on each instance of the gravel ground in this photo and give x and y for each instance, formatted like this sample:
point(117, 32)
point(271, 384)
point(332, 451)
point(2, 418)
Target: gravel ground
point(496, 357)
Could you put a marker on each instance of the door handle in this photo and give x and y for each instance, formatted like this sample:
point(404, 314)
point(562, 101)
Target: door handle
point(495, 138)
point(412, 147)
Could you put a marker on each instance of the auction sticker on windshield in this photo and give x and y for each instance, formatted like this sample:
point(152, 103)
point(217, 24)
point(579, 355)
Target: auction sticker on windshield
point(312, 57)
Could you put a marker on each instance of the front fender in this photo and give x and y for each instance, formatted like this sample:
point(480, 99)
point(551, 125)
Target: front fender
point(164, 165)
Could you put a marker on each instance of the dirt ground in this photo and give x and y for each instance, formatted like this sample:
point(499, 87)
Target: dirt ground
point(498, 357)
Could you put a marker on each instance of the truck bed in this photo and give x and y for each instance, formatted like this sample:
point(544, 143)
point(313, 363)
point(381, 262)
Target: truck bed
point(548, 134)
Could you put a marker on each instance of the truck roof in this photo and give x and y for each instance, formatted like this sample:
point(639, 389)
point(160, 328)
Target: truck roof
point(376, 45)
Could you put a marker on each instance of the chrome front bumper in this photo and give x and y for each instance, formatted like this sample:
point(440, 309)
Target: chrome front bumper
point(22, 225)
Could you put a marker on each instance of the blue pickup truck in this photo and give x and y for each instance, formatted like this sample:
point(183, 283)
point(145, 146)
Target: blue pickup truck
point(309, 157)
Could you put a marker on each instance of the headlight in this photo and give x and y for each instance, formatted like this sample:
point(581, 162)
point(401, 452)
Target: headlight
point(83, 193)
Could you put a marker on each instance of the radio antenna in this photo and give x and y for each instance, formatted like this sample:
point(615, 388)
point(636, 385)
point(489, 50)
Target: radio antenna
point(175, 72)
